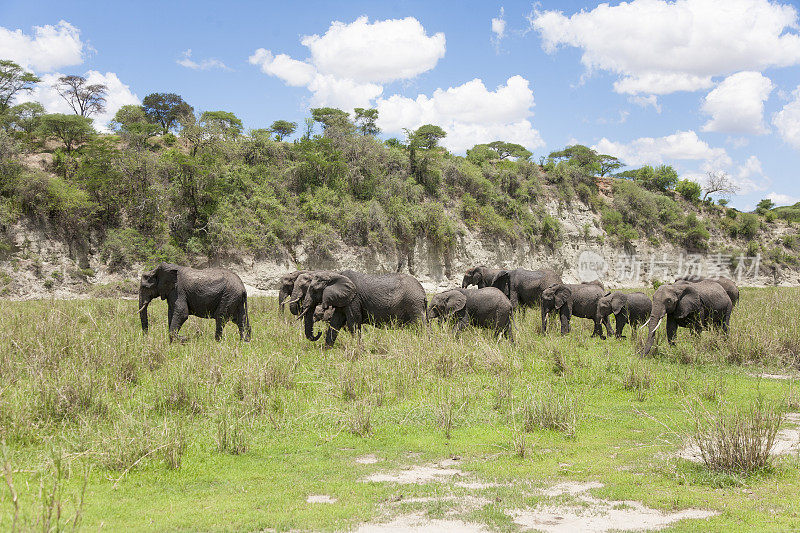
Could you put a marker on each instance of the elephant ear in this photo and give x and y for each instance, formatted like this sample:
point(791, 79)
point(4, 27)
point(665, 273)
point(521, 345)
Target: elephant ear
point(456, 302)
point(689, 303)
point(167, 276)
point(617, 303)
point(477, 277)
point(339, 293)
point(503, 282)
point(562, 295)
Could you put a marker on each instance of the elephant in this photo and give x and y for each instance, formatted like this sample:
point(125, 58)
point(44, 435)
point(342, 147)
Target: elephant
point(728, 284)
point(579, 299)
point(690, 305)
point(352, 299)
point(214, 293)
point(285, 287)
point(299, 289)
point(483, 276)
point(628, 308)
point(486, 308)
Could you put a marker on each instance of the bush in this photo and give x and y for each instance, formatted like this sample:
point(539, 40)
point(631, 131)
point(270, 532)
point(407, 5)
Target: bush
point(689, 189)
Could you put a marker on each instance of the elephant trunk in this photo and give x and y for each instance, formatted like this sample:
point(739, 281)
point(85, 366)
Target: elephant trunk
point(308, 323)
point(465, 283)
point(144, 301)
point(652, 326)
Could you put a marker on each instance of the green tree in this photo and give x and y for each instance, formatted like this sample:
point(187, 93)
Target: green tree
point(166, 110)
point(764, 205)
point(505, 150)
point(658, 179)
point(608, 164)
point(71, 130)
point(580, 155)
point(689, 189)
point(330, 117)
point(83, 97)
point(366, 120)
point(223, 121)
point(283, 128)
point(131, 123)
point(14, 80)
point(427, 136)
point(25, 117)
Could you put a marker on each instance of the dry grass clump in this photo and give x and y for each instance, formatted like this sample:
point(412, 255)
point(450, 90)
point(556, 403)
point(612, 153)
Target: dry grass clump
point(550, 408)
point(638, 379)
point(232, 435)
point(737, 440)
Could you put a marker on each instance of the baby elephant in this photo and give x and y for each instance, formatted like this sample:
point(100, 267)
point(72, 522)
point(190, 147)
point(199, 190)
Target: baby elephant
point(577, 299)
point(628, 308)
point(485, 308)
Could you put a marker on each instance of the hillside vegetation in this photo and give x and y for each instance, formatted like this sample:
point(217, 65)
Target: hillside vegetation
point(168, 184)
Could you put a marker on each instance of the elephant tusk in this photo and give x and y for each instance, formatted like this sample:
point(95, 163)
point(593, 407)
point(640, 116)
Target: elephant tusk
point(285, 300)
point(142, 308)
point(293, 301)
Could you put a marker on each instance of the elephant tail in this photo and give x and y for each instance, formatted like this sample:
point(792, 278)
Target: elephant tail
point(246, 318)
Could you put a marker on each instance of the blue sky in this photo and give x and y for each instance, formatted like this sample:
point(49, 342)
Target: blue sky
point(703, 85)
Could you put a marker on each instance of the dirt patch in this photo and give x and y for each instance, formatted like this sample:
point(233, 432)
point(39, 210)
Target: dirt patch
point(477, 485)
point(418, 522)
point(590, 514)
point(433, 473)
point(369, 459)
point(775, 376)
point(320, 498)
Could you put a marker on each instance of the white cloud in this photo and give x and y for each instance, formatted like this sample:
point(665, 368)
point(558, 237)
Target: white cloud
point(204, 64)
point(681, 145)
point(787, 120)
point(737, 104)
point(118, 95)
point(499, 28)
point(295, 73)
point(750, 176)
point(783, 199)
point(49, 48)
point(383, 51)
point(469, 113)
point(342, 93)
point(660, 46)
point(645, 101)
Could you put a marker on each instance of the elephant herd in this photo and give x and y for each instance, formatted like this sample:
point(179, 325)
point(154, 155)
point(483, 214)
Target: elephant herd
point(351, 299)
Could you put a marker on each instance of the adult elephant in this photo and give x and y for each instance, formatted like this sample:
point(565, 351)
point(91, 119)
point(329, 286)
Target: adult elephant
point(351, 299)
point(299, 289)
point(691, 305)
point(214, 293)
point(286, 286)
point(486, 308)
point(628, 308)
point(483, 276)
point(727, 284)
point(580, 299)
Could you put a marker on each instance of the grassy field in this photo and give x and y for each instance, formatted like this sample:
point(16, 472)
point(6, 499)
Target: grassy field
point(128, 432)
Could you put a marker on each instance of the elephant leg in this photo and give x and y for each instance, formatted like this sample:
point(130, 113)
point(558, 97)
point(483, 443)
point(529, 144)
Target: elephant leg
point(461, 325)
point(726, 319)
point(510, 331)
point(598, 329)
point(672, 329)
point(180, 313)
point(220, 324)
point(243, 322)
point(545, 312)
point(620, 321)
point(564, 323)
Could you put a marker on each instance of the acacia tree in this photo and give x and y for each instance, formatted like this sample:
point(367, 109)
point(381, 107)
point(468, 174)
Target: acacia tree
point(505, 150)
point(14, 80)
point(84, 98)
point(608, 164)
point(71, 130)
point(283, 128)
point(719, 182)
point(366, 120)
point(166, 110)
point(224, 121)
point(331, 117)
point(25, 117)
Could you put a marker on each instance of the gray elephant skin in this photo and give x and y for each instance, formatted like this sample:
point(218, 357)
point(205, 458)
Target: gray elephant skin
point(214, 293)
point(579, 300)
point(694, 305)
point(628, 308)
point(486, 308)
point(523, 287)
point(352, 299)
point(286, 286)
point(727, 284)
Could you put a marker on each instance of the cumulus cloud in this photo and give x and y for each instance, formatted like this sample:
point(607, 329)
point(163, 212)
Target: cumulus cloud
point(378, 52)
point(469, 113)
point(750, 176)
point(118, 95)
point(681, 145)
point(787, 120)
point(660, 47)
point(737, 104)
point(204, 64)
point(782, 199)
point(49, 48)
point(293, 72)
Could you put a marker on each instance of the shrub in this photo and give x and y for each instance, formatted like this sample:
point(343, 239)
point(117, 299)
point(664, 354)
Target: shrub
point(689, 189)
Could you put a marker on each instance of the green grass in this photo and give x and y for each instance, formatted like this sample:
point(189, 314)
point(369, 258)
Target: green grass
point(231, 436)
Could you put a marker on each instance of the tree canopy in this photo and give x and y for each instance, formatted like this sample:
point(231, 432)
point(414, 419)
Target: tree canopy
point(84, 98)
point(366, 120)
point(71, 130)
point(166, 110)
point(283, 128)
point(14, 80)
point(330, 117)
